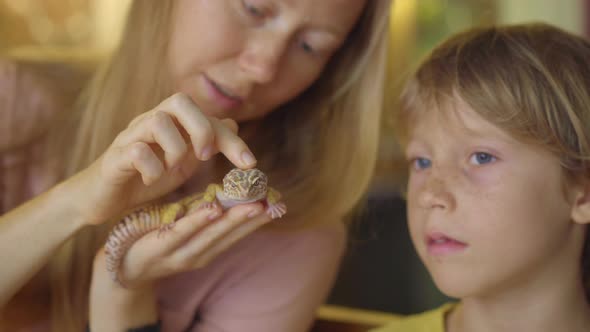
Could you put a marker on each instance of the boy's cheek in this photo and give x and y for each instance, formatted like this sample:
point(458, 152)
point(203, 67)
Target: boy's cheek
point(416, 227)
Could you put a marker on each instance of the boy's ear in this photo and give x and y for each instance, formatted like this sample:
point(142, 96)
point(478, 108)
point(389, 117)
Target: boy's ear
point(581, 208)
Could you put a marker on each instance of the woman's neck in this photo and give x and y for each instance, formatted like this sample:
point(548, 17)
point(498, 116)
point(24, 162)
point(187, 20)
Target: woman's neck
point(529, 309)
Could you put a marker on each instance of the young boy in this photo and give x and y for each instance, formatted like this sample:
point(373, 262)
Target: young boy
point(496, 130)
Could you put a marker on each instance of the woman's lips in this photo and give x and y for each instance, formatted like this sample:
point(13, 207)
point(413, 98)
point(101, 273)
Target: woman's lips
point(221, 96)
point(440, 244)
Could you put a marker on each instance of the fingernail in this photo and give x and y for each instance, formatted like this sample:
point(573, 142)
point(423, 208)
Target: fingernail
point(206, 153)
point(254, 212)
point(248, 158)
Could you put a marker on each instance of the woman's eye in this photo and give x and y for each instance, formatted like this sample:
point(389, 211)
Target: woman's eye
point(252, 10)
point(421, 163)
point(480, 158)
point(307, 48)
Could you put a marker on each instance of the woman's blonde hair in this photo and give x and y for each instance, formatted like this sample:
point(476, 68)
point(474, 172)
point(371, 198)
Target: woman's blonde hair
point(319, 149)
point(531, 80)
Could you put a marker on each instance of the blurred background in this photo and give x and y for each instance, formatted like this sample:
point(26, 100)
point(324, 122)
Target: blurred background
point(381, 270)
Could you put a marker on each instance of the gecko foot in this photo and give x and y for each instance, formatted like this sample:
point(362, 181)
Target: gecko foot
point(209, 205)
point(276, 210)
point(165, 229)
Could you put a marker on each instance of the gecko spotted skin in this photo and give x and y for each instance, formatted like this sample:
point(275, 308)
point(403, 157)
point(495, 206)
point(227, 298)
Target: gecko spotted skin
point(239, 187)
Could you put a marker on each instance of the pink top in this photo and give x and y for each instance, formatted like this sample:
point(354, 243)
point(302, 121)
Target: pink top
point(270, 281)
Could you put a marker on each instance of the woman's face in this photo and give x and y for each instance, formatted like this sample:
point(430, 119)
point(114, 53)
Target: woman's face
point(243, 58)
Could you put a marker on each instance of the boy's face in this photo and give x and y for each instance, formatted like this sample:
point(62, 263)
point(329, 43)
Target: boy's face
point(486, 212)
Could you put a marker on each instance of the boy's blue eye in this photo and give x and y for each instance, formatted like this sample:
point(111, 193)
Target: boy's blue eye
point(421, 163)
point(481, 158)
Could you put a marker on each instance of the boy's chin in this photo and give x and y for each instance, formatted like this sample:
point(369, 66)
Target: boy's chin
point(457, 287)
point(452, 291)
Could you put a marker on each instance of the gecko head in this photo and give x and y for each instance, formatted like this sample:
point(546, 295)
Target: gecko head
point(245, 184)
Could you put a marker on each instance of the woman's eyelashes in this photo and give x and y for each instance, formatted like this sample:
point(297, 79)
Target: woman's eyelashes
point(255, 11)
point(306, 47)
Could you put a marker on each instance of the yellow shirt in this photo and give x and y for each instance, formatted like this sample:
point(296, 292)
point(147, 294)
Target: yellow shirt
point(429, 321)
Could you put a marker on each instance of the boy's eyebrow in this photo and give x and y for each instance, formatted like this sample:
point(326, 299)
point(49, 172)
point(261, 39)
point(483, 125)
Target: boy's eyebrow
point(412, 144)
point(474, 125)
point(488, 133)
point(473, 134)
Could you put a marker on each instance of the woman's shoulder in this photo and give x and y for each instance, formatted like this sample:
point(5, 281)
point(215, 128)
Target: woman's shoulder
point(32, 94)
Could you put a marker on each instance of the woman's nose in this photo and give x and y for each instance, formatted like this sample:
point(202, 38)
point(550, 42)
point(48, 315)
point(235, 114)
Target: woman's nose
point(435, 194)
point(261, 57)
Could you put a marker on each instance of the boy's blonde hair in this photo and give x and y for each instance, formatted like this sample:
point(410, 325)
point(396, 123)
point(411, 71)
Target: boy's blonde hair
point(531, 80)
point(319, 149)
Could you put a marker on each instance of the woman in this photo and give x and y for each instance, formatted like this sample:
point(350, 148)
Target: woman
point(303, 82)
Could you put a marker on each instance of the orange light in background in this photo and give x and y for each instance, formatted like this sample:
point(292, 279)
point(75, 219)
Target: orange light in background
point(88, 24)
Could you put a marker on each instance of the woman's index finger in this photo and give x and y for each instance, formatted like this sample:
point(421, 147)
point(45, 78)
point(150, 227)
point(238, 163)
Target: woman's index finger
point(232, 146)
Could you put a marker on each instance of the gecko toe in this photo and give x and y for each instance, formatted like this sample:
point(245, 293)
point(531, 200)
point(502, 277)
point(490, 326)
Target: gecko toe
point(276, 210)
point(165, 229)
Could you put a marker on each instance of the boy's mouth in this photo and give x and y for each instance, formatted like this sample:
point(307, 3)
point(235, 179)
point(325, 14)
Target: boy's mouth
point(439, 244)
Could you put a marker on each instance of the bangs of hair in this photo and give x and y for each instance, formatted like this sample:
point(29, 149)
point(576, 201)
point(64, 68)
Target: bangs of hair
point(528, 80)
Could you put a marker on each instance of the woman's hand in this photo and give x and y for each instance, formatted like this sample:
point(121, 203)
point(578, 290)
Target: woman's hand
point(156, 153)
point(194, 242)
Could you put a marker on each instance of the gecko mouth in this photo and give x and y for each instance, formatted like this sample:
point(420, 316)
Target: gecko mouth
point(246, 199)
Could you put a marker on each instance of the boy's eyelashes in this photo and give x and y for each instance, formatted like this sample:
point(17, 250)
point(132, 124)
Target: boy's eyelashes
point(418, 163)
point(482, 158)
point(478, 158)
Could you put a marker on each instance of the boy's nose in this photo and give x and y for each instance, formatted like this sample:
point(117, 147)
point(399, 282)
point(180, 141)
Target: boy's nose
point(435, 195)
